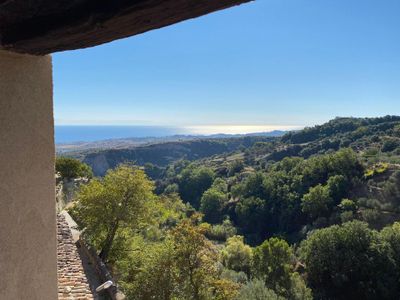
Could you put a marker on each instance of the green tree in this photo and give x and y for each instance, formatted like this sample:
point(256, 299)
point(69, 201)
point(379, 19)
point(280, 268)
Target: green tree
point(391, 190)
point(391, 234)
point(390, 145)
point(149, 272)
point(316, 203)
point(349, 261)
point(235, 167)
point(211, 205)
point(256, 290)
point(338, 186)
point(272, 261)
point(106, 206)
point(195, 258)
point(72, 168)
point(221, 232)
point(237, 255)
point(348, 205)
point(250, 214)
point(193, 182)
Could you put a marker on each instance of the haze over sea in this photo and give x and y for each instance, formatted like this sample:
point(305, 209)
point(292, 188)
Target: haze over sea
point(90, 133)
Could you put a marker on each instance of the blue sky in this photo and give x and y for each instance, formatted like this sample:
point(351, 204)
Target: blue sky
point(277, 63)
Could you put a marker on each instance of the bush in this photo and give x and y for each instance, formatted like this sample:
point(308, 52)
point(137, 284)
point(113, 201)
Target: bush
point(221, 232)
point(256, 290)
point(350, 261)
point(72, 168)
point(211, 205)
point(390, 145)
point(347, 205)
point(237, 255)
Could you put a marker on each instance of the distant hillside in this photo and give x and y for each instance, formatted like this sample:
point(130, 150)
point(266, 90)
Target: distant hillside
point(374, 138)
point(371, 135)
point(124, 143)
point(162, 154)
point(345, 169)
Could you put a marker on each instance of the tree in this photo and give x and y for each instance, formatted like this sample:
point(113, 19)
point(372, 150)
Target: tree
point(72, 168)
point(350, 261)
point(391, 235)
point(235, 167)
point(221, 232)
point(149, 272)
point(237, 255)
point(390, 145)
point(256, 290)
point(253, 186)
point(195, 258)
point(251, 215)
point(348, 205)
point(391, 189)
point(317, 201)
point(338, 186)
point(193, 182)
point(183, 265)
point(211, 205)
point(272, 261)
point(118, 201)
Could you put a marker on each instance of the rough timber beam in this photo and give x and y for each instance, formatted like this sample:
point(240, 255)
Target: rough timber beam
point(44, 26)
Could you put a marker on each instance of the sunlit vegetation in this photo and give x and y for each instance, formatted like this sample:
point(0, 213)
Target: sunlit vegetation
point(312, 215)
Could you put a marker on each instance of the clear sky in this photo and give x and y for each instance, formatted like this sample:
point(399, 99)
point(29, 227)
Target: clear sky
point(277, 63)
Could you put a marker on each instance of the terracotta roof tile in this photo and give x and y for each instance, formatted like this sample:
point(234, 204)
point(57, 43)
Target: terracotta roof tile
point(72, 281)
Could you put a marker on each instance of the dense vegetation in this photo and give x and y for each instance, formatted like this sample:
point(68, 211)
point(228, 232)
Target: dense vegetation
point(310, 215)
point(72, 168)
point(162, 154)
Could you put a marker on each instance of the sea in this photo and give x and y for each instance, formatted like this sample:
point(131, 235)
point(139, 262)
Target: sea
point(76, 133)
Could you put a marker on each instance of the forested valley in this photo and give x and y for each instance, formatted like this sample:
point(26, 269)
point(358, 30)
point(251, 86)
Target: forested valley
point(309, 215)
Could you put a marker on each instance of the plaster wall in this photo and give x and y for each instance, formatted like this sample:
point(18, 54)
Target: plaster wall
point(28, 259)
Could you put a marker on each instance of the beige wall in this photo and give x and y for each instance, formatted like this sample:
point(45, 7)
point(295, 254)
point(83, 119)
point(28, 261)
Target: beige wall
point(27, 203)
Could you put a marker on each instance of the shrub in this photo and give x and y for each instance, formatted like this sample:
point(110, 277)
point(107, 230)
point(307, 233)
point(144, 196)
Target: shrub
point(237, 255)
point(256, 290)
point(72, 168)
point(221, 232)
point(350, 261)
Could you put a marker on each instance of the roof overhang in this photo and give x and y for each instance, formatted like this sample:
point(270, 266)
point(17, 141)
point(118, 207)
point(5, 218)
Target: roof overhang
point(44, 26)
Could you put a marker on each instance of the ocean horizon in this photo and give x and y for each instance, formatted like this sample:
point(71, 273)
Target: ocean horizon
point(91, 133)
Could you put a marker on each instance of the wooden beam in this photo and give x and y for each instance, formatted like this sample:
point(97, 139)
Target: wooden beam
point(44, 26)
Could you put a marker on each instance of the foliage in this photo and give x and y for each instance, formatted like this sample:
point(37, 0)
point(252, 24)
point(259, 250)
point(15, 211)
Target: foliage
point(237, 255)
point(317, 201)
point(272, 261)
point(182, 266)
point(391, 190)
point(221, 232)
point(348, 205)
point(256, 290)
point(193, 182)
point(284, 188)
point(390, 145)
point(72, 168)
point(350, 262)
point(212, 204)
point(235, 167)
point(107, 206)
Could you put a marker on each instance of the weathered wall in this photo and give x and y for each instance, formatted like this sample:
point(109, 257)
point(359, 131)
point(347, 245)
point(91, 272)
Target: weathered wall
point(28, 262)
